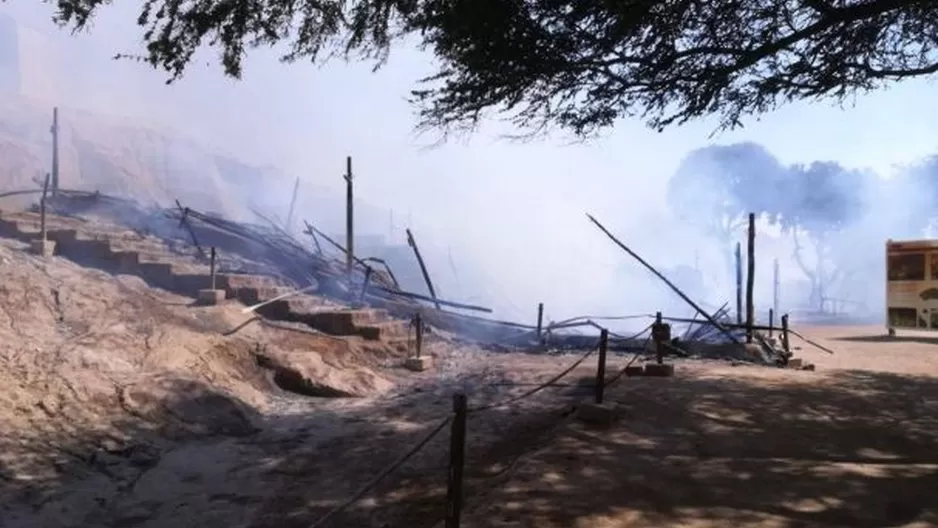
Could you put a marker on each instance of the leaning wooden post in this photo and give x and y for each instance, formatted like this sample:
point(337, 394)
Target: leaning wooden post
point(540, 320)
point(739, 284)
point(750, 279)
point(601, 367)
point(423, 267)
point(349, 220)
point(771, 321)
point(785, 345)
point(457, 462)
point(212, 268)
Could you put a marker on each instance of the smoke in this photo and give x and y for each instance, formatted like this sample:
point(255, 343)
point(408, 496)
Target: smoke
point(826, 224)
point(500, 224)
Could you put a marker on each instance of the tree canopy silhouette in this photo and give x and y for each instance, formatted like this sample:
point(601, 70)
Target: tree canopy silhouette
point(574, 64)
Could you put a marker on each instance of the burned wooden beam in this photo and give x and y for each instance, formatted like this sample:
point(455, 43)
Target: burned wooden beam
point(437, 301)
point(309, 231)
point(423, 267)
point(664, 279)
point(184, 223)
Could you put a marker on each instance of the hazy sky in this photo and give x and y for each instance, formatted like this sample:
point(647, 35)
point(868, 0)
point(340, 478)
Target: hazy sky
point(517, 210)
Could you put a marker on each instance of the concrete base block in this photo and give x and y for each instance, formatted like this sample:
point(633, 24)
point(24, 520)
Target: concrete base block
point(664, 370)
point(211, 297)
point(795, 363)
point(635, 370)
point(595, 413)
point(418, 364)
point(43, 248)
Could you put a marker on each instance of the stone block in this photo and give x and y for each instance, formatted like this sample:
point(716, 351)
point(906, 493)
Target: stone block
point(795, 363)
point(43, 248)
point(418, 364)
point(211, 297)
point(634, 370)
point(596, 413)
point(663, 370)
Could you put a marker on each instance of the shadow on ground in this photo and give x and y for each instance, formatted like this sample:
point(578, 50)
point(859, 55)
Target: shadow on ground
point(838, 449)
point(854, 450)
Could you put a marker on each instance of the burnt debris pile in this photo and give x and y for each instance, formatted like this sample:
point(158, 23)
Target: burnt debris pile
point(317, 264)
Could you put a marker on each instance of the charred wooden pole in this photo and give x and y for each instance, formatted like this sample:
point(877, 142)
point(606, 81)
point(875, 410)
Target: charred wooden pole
point(540, 320)
point(658, 334)
point(42, 210)
point(710, 319)
point(55, 150)
point(212, 268)
point(349, 219)
point(418, 334)
point(739, 284)
point(775, 285)
point(751, 276)
point(771, 321)
point(423, 267)
point(601, 366)
point(785, 345)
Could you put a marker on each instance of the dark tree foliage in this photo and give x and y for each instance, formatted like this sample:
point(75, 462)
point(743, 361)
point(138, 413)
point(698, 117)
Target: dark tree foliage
point(576, 64)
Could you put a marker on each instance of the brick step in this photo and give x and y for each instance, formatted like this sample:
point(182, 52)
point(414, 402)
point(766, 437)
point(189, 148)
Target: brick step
point(389, 331)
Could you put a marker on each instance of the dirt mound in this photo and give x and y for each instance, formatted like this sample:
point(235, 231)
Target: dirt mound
point(201, 412)
point(88, 360)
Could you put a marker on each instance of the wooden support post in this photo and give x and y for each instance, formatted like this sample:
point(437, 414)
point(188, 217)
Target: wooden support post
point(540, 320)
point(349, 219)
point(42, 210)
point(212, 268)
point(457, 462)
point(601, 367)
point(418, 334)
point(771, 321)
point(423, 267)
point(785, 345)
point(659, 345)
point(751, 276)
point(739, 284)
point(55, 150)
point(775, 285)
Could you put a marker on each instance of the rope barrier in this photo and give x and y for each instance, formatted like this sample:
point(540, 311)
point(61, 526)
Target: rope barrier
point(538, 388)
point(381, 476)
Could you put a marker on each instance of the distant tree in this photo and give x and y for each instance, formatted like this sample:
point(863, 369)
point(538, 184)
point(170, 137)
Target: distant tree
point(914, 199)
point(575, 64)
point(715, 188)
point(816, 203)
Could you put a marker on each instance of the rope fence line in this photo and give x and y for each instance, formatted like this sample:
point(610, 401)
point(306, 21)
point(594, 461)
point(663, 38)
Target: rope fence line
point(457, 419)
point(383, 474)
point(391, 468)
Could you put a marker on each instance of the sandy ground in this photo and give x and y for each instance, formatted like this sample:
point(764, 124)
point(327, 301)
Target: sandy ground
point(125, 406)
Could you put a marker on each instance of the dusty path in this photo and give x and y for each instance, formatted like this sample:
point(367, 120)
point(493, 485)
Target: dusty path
point(852, 444)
